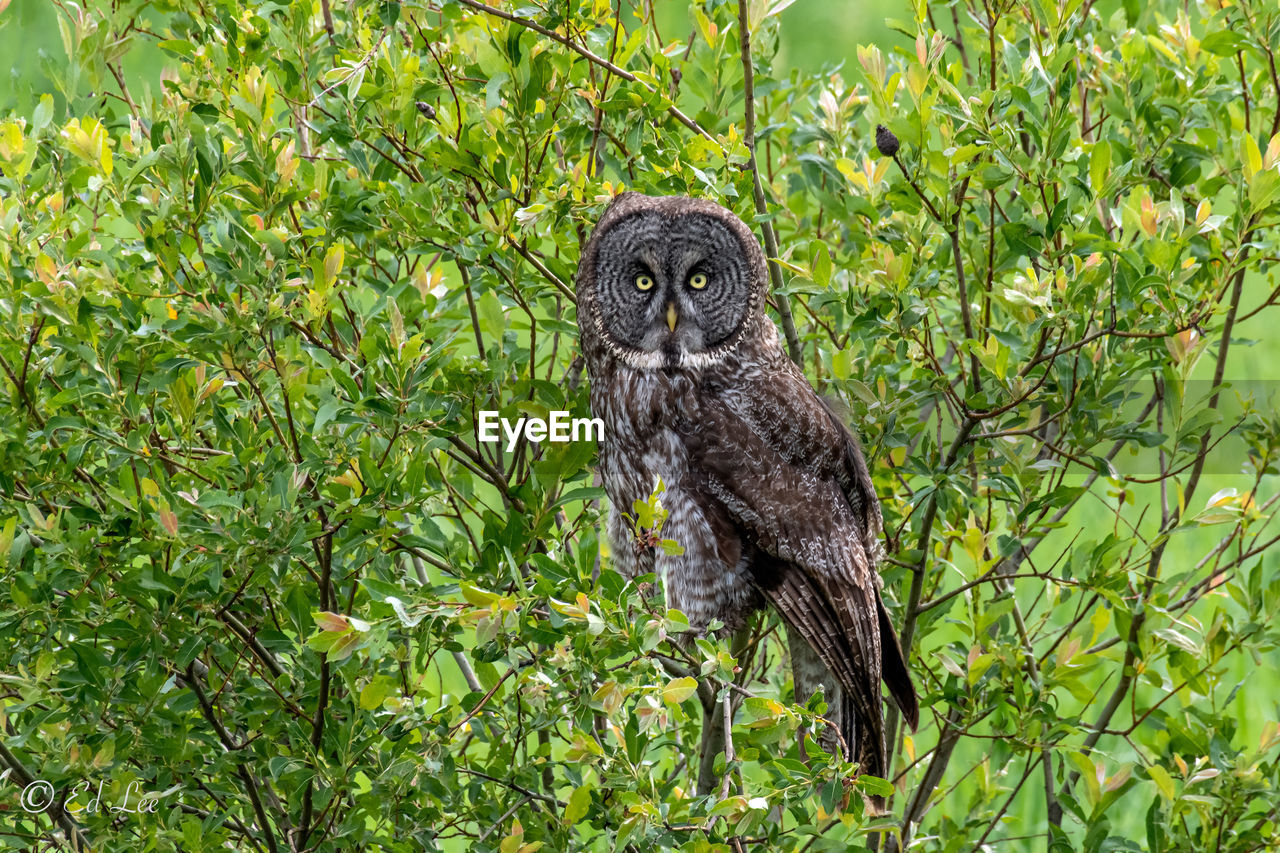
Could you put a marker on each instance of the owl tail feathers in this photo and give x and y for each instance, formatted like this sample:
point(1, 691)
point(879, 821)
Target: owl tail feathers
point(869, 744)
point(893, 665)
point(862, 746)
point(868, 748)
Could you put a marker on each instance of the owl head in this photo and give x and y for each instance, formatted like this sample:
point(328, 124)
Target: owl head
point(670, 282)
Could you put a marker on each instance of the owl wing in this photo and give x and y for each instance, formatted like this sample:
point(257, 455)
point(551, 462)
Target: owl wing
point(793, 480)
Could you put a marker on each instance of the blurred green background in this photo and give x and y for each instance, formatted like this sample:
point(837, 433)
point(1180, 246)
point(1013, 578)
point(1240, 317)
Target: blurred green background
point(815, 36)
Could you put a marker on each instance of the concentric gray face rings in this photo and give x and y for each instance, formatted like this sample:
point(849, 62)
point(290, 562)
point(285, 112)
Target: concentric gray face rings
point(677, 283)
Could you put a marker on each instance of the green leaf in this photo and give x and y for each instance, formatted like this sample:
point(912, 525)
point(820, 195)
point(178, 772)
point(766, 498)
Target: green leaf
point(1179, 639)
point(579, 803)
point(1164, 782)
point(477, 596)
point(6, 537)
point(875, 786)
point(644, 513)
point(1223, 42)
point(1250, 156)
point(492, 319)
point(842, 363)
point(1099, 165)
point(333, 258)
point(343, 645)
point(820, 265)
point(679, 689)
point(43, 113)
point(373, 694)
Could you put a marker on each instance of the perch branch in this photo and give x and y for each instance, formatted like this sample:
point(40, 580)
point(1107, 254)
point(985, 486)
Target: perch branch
point(757, 190)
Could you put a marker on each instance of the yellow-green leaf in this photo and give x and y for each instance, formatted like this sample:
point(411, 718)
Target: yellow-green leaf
point(1250, 156)
point(1099, 164)
point(842, 363)
point(1163, 780)
point(332, 264)
point(579, 803)
point(679, 689)
point(6, 538)
point(475, 595)
point(375, 693)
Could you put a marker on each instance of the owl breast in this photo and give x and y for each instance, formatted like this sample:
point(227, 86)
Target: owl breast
point(646, 414)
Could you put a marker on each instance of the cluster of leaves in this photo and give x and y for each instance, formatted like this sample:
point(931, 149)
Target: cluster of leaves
point(258, 561)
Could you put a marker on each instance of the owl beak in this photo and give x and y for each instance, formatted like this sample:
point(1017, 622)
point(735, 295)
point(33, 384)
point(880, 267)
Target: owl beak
point(671, 316)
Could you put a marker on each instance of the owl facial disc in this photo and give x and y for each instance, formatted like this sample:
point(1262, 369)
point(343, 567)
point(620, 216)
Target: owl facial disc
point(673, 283)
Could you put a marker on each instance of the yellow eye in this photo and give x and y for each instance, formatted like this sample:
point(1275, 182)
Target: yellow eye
point(698, 281)
point(644, 282)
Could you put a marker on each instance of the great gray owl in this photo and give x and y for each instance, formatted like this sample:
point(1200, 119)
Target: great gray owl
point(767, 491)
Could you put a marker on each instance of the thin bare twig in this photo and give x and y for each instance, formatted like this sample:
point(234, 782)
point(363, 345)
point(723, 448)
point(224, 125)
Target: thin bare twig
point(757, 189)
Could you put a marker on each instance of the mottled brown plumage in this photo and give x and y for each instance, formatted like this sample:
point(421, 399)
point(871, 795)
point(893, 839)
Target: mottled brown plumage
point(766, 489)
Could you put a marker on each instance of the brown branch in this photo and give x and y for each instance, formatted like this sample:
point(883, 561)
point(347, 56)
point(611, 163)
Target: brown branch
point(924, 198)
point(672, 110)
point(595, 158)
point(1275, 81)
point(75, 835)
point(250, 785)
point(533, 261)
point(908, 632)
point(991, 576)
point(124, 89)
point(1128, 675)
point(483, 701)
point(251, 640)
point(328, 18)
point(757, 191)
point(965, 317)
point(305, 826)
point(1031, 765)
point(953, 231)
point(533, 795)
point(422, 555)
point(1244, 90)
point(947, 740)
point(1009, 566)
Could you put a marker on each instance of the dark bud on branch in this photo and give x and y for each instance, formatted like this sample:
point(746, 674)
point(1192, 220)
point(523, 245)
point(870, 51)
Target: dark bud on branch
point(886, 142)
point(426, 109)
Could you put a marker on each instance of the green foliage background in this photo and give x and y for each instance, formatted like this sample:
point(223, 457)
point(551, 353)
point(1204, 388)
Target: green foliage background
point(263, 263)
